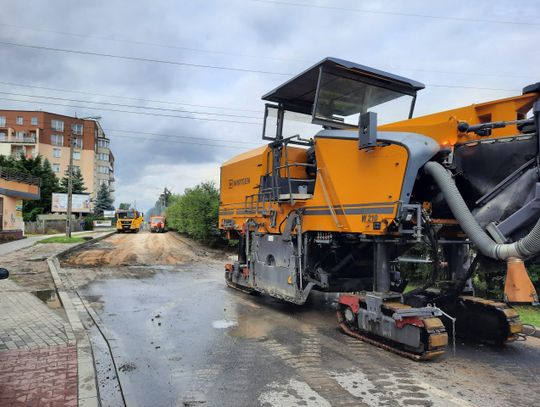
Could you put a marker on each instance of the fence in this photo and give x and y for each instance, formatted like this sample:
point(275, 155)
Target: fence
point(48, 227)
point(9, 174)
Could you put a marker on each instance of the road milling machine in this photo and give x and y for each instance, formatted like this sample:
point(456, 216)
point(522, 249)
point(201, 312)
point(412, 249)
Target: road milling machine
point(350, 182)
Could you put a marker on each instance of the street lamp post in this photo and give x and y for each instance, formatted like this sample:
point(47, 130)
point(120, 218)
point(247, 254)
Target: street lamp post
point(70, 186)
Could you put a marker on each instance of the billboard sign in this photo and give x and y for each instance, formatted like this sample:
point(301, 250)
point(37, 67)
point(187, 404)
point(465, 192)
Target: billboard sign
point(80, 203)
point(108, 214)
point(102, 223)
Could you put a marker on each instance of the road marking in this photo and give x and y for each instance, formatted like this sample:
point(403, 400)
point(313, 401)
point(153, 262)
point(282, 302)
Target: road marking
point(223, 324)
point(358, 385)
point(445, 395)
point(382, 388)
point(292, 394)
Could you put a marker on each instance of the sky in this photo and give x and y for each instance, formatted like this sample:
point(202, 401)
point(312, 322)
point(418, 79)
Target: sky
point(194, 71)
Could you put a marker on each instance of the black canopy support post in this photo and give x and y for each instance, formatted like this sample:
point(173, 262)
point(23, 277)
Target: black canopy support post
point(279, 123)
point(413, 103)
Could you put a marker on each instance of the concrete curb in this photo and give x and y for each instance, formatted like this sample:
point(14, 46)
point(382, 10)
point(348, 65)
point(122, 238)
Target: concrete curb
point(530, 332)
point(87, 386)
point(79, 246)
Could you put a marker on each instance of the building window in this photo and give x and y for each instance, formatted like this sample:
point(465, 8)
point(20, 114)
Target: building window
point(77, 129)
point(56, 167)
point(103, 181)
point(34, 121)
point(2, 121)
point(19, 120)
point(57, 153)
point(103, 157)
point(2, 136)
point(57, 125)
point(102, 169)
point(104, 143)
point(19, 135)
point(76, 155)
point(57, 140)
point(77, 142)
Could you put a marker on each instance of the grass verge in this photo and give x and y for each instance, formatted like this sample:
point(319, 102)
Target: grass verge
point(528, 314)
point(62, 239)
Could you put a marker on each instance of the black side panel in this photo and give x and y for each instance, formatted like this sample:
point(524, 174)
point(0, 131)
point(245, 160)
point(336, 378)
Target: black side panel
point(482, 166)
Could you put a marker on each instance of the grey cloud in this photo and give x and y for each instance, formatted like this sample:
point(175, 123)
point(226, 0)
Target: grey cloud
point(291, 37)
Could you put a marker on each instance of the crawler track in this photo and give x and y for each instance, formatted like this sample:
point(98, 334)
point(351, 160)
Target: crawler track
point(238, 287)
point(385, 344)
point(482, 320)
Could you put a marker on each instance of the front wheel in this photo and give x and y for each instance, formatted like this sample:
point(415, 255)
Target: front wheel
point(137, 230)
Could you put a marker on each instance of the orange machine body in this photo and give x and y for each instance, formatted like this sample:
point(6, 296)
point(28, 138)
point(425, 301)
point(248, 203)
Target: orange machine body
point(356, 190)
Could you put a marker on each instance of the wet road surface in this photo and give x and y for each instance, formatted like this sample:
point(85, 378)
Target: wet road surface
point(180, 337)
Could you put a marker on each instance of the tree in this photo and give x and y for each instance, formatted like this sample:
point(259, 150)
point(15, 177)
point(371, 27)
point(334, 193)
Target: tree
point(7, 161)
point(124, 206)
point(49, 185)
point(48, 182)
point(161, 204)
point(196, 213)
point(103, 201)
point(77, 182)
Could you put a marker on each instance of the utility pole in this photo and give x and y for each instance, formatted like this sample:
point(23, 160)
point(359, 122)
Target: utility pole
point(70, 186)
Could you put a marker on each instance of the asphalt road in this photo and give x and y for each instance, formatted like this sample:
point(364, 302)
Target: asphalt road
point(180, 337)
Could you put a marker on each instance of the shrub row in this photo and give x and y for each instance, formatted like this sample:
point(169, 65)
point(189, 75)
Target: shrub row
point(195, 213)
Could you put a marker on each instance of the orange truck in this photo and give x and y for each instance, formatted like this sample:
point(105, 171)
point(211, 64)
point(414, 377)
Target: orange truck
point(157, 224)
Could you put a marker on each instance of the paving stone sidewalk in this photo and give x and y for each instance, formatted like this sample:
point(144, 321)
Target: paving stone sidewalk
point(38, 354)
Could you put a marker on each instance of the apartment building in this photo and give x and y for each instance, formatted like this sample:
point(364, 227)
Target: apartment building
point(36, 132)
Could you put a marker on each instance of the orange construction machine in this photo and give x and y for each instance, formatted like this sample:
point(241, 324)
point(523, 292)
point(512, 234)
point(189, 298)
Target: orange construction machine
point(351, 182)
point(157, 224)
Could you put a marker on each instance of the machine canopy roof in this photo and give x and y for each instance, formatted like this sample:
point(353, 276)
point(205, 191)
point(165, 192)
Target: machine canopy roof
point(299, 93)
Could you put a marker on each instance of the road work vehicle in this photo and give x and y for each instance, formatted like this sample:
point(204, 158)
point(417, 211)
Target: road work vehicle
point(157, 224)
point(129, 220)
point(337, 200)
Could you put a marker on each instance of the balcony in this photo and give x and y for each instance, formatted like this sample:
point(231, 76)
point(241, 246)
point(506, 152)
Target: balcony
point(27, 139)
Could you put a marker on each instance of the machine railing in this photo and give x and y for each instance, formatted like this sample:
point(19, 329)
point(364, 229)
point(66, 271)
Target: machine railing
point(276, 188)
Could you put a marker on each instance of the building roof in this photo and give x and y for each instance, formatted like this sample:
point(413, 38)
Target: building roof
point(44, 111)
point(298, 93)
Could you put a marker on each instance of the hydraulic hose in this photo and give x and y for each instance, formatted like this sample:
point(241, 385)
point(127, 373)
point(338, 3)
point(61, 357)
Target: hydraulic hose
point(522, 249)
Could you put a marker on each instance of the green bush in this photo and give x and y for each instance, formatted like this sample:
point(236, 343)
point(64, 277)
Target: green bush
point(195, 213)
point(534, 273)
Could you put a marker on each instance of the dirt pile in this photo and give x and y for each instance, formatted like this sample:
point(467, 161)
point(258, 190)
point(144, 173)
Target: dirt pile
point(132, 249)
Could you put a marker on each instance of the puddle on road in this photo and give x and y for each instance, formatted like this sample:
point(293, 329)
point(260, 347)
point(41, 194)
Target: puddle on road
point(250, 327)
point(161, 267)
point(49, 297)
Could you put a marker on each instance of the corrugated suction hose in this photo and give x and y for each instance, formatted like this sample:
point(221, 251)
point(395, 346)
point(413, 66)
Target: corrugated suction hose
point(523, 248)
